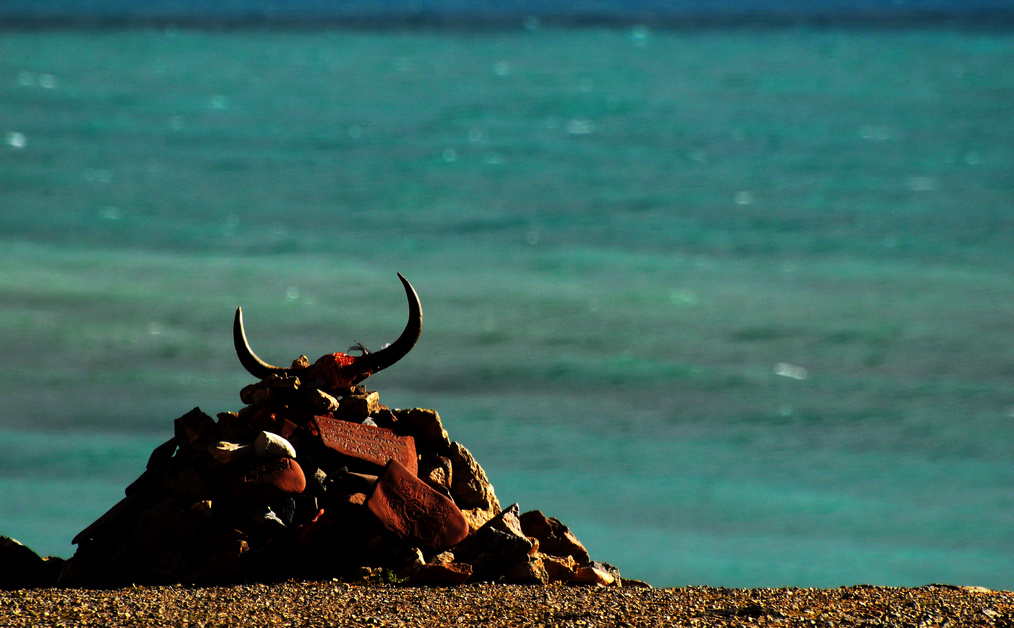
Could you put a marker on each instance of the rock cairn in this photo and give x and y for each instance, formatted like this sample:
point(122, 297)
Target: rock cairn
point(307, 485)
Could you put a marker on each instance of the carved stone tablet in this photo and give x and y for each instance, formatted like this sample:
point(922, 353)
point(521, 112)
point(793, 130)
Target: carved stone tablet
point(366, 442)
point(405, 505)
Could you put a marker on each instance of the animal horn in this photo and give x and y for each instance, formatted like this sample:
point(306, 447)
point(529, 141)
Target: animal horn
point(398, 349)
point(254, 365)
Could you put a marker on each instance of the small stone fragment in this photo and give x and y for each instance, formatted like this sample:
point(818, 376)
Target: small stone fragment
point(227, 453)
point(440, 574)
point(271, 418)
point(272, 388)
point(265, 482)
point(531, 571)
point(271, 445)
point(597, 574)
point(201, 509)
point(357, 499)
point(559, 568)
point(554, 537)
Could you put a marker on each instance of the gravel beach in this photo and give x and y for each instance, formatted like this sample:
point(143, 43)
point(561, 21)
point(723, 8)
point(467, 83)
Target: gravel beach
point(341, 604)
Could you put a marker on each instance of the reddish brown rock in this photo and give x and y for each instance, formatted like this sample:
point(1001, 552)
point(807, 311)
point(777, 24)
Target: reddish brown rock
point(371, 444)
point(559, 568)
point(440, 574)
point(267, 481)
point(405, 505)
point(597, 574)
point(554, 538)
point(530, 571)
point(287, 429)
point(225, 452)
point(319, 402)
point(496, 548)
point(269, 389)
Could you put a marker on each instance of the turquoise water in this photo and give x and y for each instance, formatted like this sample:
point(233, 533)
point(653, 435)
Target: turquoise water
point(733, 304)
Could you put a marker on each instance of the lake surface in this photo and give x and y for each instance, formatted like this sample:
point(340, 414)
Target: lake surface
point(734, 304)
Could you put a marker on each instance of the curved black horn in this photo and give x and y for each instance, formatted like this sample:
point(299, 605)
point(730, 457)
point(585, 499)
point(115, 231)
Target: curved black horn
point(398, 349)
point(254, 365)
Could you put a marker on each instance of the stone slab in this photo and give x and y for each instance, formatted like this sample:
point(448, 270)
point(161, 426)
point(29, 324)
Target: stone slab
point(405, 505)
point(372, 444)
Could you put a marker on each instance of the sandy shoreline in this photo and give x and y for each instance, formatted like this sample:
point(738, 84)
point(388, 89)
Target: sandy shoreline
point(341, 604)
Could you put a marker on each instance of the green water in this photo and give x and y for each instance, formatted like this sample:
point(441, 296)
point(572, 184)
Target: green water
point(735, 305)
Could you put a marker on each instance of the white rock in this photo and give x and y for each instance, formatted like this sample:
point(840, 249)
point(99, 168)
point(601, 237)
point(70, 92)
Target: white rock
point(271, 445)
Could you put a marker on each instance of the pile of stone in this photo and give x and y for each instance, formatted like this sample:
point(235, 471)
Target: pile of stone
point(304, 484)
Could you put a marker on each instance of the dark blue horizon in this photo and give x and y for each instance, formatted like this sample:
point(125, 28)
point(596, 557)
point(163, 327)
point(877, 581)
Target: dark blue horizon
point(478, 11)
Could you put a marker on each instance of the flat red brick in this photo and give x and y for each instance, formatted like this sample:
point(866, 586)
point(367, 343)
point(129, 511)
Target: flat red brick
point(366, 442)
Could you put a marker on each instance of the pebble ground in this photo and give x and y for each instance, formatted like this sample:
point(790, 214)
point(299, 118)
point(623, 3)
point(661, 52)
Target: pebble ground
point(341, 604)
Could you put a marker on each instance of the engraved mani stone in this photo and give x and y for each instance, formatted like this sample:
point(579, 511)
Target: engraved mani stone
point(268, 481)
point(405, 505)
point(366, 442)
